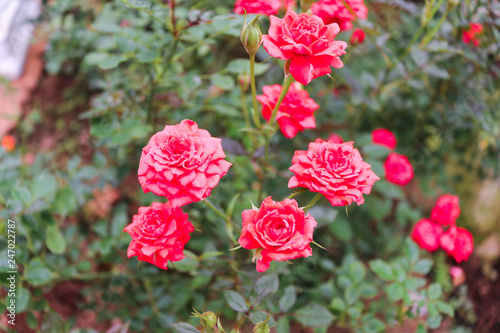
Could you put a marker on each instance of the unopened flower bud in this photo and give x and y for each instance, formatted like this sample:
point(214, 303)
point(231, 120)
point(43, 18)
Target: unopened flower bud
point(208, 319)
point(251, 36)
point(244, 81)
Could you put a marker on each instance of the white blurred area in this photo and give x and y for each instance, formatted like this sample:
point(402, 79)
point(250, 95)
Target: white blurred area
point(16, 30)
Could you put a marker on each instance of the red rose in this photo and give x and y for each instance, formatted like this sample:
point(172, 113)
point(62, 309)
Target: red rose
point(458, 243)
point(278, 230)
point(296, 111)
point(334, 11)
point(469, 35)
point(335, 138)
point(427, 234)
point(446, 210)
point(264, 7)
point(384, 137)
point(357, 37)
point(307, 42)
point(398, 169)
point(335, 170)
point(182, 163)
point(159, 233)
point(8, 143)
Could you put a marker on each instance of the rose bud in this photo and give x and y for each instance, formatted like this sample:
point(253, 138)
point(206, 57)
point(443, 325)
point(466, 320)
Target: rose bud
point(251, 36)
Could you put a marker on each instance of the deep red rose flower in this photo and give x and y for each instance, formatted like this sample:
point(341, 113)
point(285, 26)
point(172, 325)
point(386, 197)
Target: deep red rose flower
point(264, 7)
point(296, 111)
point(384, 137)
point(334, 11)
point(182, 163)
point(278, 231)
point(398, 169)
point(357, 37)
point(458, 243)
point(8, 143)
point(469, 35)
point(335, 138)
point(307, 42)
point(335, 170)
point(446, 211)
point(159, 233)
point(427, 234)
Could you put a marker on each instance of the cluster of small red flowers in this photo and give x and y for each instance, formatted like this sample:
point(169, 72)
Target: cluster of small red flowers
point(469, 35)
point(441, 230)
point(398, 169)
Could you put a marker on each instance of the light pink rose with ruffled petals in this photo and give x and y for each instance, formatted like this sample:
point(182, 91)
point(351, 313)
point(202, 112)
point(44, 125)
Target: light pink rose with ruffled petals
point(182, 163)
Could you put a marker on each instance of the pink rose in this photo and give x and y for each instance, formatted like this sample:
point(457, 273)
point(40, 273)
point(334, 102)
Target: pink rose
point(335, 170)
point(384, 137)
point(335, 138)
point(264, 7)
point(446, 210)
point(307, 42)
point(458, 243)
point(182, 163)
point(278, 230)
point(159, 233)
point(427, 234)
point(357, 37)
point(296, 111)
point(334, 11)
point(469, 35)
point(398, 169)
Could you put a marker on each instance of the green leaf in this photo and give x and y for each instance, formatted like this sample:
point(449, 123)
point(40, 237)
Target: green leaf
point(42, 186)
point(258, 316)
point(368, 291)
point(338, 304)
point(445, 308)
point(435, 291)
point(239, 66)
point(36, 274)
point(21, 194)
point(267, 284)
point(434, 322)
point(112, 61)
point(235, 301)
point(374, 325)
point(399, 271)
point(423, 266)
point(376, 151)
point(395, 291)
point(341, 229)
point(414, 283)
point(351, 294)
point(225, 82)
point(421, 329)
point(314, 316)
point(357, 271)
point(343, 281)
point(188, 264)
point(55, 240)
point(283, 325)
point(185, 328)
point(22, 299)
point(288, 299)
point(411, 251)
point(65, 201)
point(119, 221)
point(354, 312)
point(382, 269)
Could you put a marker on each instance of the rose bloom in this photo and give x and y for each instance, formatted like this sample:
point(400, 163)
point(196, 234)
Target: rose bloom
point(446, 211)
point(278, 230)
point(384, 137)
point(469, 35)
point(182, 163)
point(335, 138)
point(398, 169)
point(296, 111)
point(427, 234)
point(335, 170)
point(307, 42)
point(8, 143)
point(357, 37)
point(334, 11)
point(458, 243)
point(159, 233)
point(264, 7)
